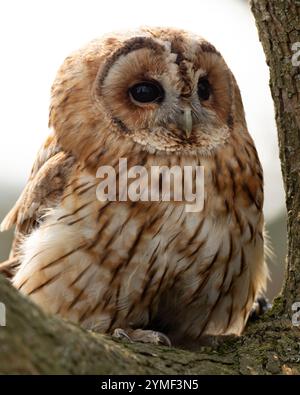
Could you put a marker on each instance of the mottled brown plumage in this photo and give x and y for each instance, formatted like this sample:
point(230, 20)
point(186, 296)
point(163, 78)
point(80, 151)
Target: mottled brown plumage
point(143, 265)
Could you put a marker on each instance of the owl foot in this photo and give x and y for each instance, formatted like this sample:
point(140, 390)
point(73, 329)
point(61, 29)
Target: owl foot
point(260, 307)
point(142, 336)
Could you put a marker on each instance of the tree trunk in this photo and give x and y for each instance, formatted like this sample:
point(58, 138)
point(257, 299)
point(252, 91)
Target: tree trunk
point(33, 342)
point(278, 24)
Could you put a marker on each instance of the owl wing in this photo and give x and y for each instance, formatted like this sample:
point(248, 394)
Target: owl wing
point(48, 178)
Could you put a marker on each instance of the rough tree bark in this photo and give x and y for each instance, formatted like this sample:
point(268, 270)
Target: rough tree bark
point(278, 25)
point(35, 343)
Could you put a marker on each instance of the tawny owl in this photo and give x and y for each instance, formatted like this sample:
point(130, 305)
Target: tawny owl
point(147, 270)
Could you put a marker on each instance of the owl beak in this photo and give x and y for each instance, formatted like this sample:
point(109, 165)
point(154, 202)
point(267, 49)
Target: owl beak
point(187, 121)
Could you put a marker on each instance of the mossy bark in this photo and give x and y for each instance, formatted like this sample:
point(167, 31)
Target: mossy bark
point(35, 343)
point(278, 24)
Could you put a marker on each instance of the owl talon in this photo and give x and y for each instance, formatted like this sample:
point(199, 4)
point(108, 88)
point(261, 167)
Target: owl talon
point(120, 334)
point(142, 336)
point(260, 307)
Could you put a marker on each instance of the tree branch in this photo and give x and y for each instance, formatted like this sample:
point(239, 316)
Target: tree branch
point(33, 342)
point(278, 27)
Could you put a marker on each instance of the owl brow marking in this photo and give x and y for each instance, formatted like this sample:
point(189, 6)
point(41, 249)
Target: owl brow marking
point(133, 44)
point(177, 47)
point(130, 45)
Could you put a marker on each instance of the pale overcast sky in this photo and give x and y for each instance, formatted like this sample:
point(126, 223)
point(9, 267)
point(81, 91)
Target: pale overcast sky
point(36, 36)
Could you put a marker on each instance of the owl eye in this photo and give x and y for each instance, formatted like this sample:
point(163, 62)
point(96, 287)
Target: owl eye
point(204, 89)
point(147, 92)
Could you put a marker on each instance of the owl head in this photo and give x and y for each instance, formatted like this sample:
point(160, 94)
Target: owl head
point(158, 90)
